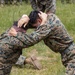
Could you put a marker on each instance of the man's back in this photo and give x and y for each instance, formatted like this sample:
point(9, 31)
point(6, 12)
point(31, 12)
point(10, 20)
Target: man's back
point(58, 38)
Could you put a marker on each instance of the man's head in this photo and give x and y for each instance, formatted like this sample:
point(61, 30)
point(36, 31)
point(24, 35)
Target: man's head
point(35, 20)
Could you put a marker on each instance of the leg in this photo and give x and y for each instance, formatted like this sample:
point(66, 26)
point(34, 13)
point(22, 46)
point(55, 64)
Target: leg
point(8, 56)
point(5, 69)
point(50, 6)
point(68, 60)
point(70, 69)
point(21, 61)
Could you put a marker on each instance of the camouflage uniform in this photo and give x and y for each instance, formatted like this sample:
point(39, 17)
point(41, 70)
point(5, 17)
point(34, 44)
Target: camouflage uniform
point(9, 52)
point(21, 61)
point(44, 5)
point(56, 37)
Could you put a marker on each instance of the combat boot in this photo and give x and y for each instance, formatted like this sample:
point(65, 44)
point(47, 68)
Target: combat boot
point(34, 61)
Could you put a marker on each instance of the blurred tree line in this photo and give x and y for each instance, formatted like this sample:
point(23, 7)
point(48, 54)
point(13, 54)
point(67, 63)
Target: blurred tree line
point(2, 2)
point(16, 2)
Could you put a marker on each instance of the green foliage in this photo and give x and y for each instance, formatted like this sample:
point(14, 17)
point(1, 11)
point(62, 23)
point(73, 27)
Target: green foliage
point(51, 61)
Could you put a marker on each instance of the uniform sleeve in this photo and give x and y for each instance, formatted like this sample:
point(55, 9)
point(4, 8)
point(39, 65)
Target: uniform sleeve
point(51, 6)
point(29, 40)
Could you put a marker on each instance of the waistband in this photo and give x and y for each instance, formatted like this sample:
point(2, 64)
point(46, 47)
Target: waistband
point(71, 46)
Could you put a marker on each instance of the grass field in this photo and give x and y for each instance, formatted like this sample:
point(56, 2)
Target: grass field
point(50, 61)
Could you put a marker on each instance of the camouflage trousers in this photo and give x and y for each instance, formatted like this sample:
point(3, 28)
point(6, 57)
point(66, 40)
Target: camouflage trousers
point(21, 61)
point(8, 56)
point(68, 59)
point(5, 69)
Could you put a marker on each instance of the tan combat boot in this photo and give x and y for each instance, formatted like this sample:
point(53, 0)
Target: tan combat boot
point(33, 60)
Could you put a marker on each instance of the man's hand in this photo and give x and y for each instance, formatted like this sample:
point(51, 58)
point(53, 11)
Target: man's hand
point(23, 21)
point(12, 32)
point(43, 17)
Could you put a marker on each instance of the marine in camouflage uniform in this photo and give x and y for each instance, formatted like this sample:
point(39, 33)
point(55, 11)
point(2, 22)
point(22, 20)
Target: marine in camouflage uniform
point(10, 51)
point(56, 37)
point(44, 5)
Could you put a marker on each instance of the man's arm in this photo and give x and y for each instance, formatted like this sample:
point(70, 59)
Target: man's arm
point(25, 40)
point(41, 32)
point(29, 40)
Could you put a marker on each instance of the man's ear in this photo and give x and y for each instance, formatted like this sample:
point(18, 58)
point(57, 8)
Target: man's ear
point(39, 20)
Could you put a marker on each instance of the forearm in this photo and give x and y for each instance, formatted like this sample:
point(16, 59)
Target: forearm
point(41, 33)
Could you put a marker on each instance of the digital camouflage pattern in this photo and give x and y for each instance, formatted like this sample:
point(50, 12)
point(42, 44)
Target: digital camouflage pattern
point(44, 5)
point(21, 60)
point(9, 52)
point(56, 37)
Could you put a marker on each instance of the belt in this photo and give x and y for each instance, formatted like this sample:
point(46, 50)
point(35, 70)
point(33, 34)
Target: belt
point(69, 48)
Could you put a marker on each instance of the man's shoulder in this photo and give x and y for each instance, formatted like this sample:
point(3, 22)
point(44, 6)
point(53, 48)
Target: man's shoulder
point(52, 17)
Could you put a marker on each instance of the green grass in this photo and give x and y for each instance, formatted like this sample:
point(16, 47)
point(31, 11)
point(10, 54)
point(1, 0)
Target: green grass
point(51, 61)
